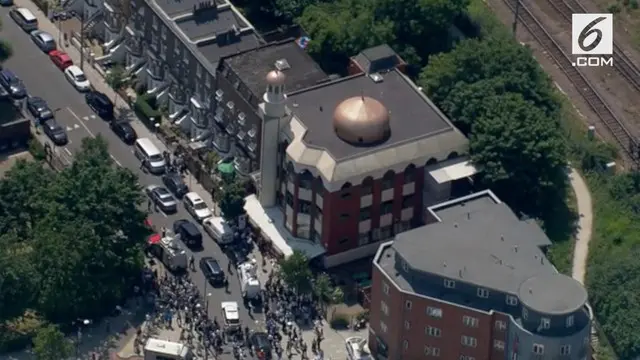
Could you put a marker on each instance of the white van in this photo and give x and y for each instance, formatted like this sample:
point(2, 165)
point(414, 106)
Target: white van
point(156, 349)
point(24, 18)
point(218, 229)
point(147, 152)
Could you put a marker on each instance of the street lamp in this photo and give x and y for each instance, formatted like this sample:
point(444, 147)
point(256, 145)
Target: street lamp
point(80, 323)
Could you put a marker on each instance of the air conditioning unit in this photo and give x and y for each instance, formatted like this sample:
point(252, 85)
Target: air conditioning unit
point(376, 77)
point(282, 65)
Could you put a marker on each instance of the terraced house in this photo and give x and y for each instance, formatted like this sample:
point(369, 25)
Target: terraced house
point(174, 47)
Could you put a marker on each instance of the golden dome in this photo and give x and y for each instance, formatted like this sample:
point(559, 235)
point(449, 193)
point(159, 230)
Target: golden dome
point(276, 78)
point(361, 120)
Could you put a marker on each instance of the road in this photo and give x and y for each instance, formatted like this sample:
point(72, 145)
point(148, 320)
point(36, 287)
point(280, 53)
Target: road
point(43, 79)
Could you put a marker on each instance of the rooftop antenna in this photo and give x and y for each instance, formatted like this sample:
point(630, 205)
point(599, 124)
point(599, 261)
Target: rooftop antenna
point(362, 94)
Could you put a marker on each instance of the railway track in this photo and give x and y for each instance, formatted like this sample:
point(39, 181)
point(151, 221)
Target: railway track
point(621, 62)
point(622, 136)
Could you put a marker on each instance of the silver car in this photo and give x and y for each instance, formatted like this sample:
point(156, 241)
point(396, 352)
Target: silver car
point(162, 198)
point(44, 40)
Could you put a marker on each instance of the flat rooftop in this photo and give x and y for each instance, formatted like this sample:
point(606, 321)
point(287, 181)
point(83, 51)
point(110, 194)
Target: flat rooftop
point(481, 243)
point(217, 22)
point(175, 8)
point(252, 66)
point(413, 115)
point(215, 50)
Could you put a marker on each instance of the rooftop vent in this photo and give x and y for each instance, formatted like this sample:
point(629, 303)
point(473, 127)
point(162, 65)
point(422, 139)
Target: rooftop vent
point(377, 78)
point(282, 65)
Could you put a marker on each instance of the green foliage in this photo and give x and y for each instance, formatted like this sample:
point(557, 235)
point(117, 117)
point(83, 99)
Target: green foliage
point(71, 243)
point(232, 200)
point(295, 272)
point(116, 78)
point(144, 107)
point(6, 50)
point(340, 321)
point(36, 149)
point(50, 344)
point(322, 288)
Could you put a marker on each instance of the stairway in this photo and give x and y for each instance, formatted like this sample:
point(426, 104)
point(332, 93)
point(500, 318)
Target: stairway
point(91, 22)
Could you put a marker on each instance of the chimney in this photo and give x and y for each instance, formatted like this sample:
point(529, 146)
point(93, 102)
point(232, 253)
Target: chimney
point(455, 225)
point(515, 248)
point(460, 273)
point(502, 237)
point(468, 216)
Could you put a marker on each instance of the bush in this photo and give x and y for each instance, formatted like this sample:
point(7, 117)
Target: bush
point(145, 111)
point(340, 321)
point(36, 149)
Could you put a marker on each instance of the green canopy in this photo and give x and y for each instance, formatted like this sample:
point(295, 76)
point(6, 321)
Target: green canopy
point(226, 168)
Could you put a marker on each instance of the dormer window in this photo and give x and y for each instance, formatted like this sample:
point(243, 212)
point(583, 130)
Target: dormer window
point(449, 284)
point(405, 266)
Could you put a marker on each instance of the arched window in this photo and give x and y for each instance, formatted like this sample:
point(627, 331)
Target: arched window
point(410, 174)
point(291, 172)
point(306, 180)
point(367, 186)
point(387, 180)
point(319, 186)
point(346, 190)
point(432, 161)
point(453, 155)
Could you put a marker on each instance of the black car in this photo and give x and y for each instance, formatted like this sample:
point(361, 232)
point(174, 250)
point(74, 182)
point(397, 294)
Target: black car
point(212, 270)
point(174, 182)
point(261, 344)
point(39, 108)
point(12, 84)
point(100, 103)
point(189, 233)
point(124, 131)
point(55, 132)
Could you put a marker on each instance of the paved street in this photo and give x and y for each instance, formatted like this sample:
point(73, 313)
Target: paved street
point(43, 79)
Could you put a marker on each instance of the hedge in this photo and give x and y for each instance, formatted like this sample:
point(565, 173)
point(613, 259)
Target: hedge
point(144, 108)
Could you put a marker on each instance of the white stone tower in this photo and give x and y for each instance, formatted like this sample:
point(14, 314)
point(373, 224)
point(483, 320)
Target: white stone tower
point(272, 111)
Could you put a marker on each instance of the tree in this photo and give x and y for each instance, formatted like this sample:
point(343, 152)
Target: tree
point(322, 288)
point(292, 9)
point(50, 344)
point(232, 201)
point(6, 50)
point(518, 147)
point(117, 79)
point(295, 272)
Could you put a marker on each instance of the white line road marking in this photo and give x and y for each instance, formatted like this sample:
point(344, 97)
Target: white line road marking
point(81, 123)
point(67, 151)
point(115, 160)
point(163, 214)
point(92, 116)
point(76, 126)
point(85, 118)
point(69, 128)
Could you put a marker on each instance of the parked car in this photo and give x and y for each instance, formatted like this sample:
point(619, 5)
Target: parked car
point(189, 233)
point(124, 131)
point(77, 78)
point(162, 198)
point(100, 103)
point(38, 107)
point(55, 132)
point(6, 2)
point(195, 206)
point(60, 59)
point(12, 84)
point(212, 270)
point(261, 345)
point(43, 40)
point(174, 182)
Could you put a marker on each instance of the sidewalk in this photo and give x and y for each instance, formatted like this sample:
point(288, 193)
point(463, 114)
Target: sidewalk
point(100, 85)
point(585, 224)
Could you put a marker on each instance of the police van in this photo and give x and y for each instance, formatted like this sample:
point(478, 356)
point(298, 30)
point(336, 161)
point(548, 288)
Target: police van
point(156, 349)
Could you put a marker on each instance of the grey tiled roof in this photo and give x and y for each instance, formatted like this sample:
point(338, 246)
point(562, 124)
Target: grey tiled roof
point(412, 115)
point(196, 28)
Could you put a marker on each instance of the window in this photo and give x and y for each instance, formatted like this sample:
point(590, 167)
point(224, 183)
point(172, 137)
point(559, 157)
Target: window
point(384, 307)
point(498, 344)
point(409, 174)
point(365, 213)
point(433, 351)
point(405, 344)
point(364, 238)
point(470, 321)
point(405, 266)
point(565, 350)
point(570, 320)
point(407, 325)
point(467, 357)
point(525, 313)
point(538, 349)
point(545, 323)
point(385, 288)
point(433, 331)
point(483, 293)
point(469, 341)
point(408, 305)
point(155, 22)
point(514, 356)
point(344, 216)
point(383, 327)
point(407, 201)
point(198, 70)
point(434, 312)
point(387, 180)
point(512, 300)
point(185, 56)
point(386, 207)
point(501, 325)
point(449, 284)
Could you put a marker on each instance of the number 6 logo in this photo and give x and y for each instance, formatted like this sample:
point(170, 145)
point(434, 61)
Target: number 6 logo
point(592, 34)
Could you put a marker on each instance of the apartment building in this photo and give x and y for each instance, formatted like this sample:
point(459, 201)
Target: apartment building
point(174, 47)
point(474, 284)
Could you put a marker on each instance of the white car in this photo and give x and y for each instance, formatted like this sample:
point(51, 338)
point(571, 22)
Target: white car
point(77, 78)
point(230, 315)
point(195, 206)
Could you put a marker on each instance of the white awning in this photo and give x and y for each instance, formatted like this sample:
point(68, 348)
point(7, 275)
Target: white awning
point(448, 172)
point(270, 221)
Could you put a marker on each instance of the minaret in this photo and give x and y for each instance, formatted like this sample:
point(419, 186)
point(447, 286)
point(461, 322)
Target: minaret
point(272, 111)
